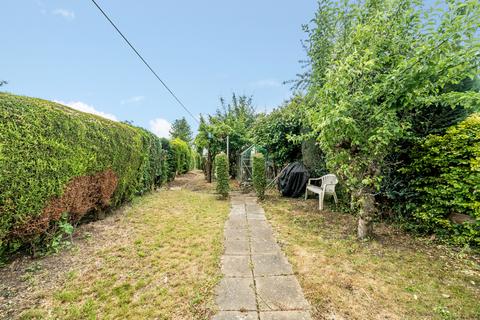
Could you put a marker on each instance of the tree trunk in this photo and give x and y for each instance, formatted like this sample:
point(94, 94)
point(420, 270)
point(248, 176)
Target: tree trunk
point(209, 167)
point(367, 212)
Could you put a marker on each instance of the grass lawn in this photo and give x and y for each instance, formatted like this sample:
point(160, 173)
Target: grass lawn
point(394, 276)
point(156, 259)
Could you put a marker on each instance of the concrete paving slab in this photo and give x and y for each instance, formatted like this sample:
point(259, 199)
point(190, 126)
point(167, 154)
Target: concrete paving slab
point(271, 291)
point(236, 294)
point(254, 207)
point(262, 234)
point(237, 247)
point(261, 246)
point(238, 218)
point(251, 216)
point(236, 315)
point(237, 212)
point(271, 265)
point(280, 293)
point(236, 224)
point(285, 315)
point(259, 224)
point(236, 266)
point(236, 234)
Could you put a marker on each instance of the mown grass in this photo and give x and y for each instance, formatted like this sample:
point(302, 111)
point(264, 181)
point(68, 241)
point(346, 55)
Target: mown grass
point(160, 260)
point(393, 276)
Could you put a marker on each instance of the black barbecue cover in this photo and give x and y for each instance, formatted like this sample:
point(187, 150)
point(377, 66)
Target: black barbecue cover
point(293, 180)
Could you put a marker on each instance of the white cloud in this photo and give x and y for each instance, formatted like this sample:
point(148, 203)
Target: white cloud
point(81, 106)
point(132, 100)
point(67, 14)
point(160, 127)
point(266, 83)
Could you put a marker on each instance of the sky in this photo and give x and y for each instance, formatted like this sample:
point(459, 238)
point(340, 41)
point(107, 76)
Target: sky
point(66, 51)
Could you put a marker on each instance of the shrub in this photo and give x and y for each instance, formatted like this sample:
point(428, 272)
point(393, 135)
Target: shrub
point(221, 171)
point(181, 152)
point(56, 160)
point(170, 162)
point(447, 181)
point(259, 177)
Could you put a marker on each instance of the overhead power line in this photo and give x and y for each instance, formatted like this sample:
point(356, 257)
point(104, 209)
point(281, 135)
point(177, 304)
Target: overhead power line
point(145, 62)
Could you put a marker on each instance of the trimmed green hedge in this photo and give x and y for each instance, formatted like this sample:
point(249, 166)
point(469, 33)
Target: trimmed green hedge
point(170, 162)
point(182, 155)
point(446, 184)
point(259, 175)
point(221, 171)
point(44, 146)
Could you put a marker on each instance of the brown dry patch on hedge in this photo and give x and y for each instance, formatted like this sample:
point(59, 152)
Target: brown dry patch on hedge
point(81, 195)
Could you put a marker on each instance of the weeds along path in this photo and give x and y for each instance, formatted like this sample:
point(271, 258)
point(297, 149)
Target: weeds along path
point(156, 258)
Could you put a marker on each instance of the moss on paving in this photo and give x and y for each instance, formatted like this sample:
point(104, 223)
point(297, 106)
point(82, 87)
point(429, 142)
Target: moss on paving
point(165, 266)
point(394, 276)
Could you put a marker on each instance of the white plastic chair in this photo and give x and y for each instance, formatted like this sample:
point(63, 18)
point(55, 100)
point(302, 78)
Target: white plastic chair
point(327, 187)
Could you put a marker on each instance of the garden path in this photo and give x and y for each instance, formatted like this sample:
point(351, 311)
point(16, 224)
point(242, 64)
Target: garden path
point(258, 280)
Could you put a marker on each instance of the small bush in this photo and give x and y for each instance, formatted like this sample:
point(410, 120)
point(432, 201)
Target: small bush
point(221, 171)
point(446, 183)
point(259, 176)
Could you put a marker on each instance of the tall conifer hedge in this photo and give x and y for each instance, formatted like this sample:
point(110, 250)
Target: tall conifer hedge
point(57, 162)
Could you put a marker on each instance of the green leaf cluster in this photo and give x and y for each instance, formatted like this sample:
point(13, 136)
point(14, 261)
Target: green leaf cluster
point(259, 175)
point(182, 156)
point(181, 129)
point(44, 145)
point(233, 119)
point(373, 62)
point(276, 131)
point(221, 171)
point(446, 178)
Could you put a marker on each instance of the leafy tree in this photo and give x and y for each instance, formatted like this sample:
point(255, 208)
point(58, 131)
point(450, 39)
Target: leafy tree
point(181, 129)
point(387, 58)
point(275, 132)
point(234, 120)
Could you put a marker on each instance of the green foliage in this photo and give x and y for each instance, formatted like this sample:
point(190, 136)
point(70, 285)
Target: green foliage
point(181, 129)
point(372, 63)
point(313, 158)
point(446, 178)
point(170, 162)
point(274, 132)
point(195, 159)
point(234, 119)
point(434, 119)
point(56, 240)
point(259, 175)
point(44, 145)
point(221, 171)
point(182, 155)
